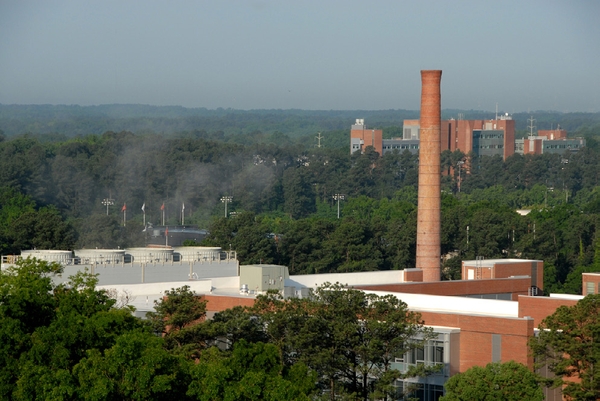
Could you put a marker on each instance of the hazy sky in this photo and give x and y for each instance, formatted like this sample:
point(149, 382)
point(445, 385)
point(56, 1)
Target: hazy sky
point(326, 54)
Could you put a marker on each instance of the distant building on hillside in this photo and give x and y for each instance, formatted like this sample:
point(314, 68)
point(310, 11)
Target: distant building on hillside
point(361, 137)
point(548, 141)
point(482, 137)
point(401, 145)
point(411, 130)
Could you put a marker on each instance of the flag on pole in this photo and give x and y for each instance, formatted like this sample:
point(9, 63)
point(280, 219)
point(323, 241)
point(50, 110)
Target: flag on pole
point(144, 207)
point(124, 207)
point(163, 206)
point(167, 232)
point(183, 206)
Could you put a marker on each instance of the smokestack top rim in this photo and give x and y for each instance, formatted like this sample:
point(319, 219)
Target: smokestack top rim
point(431, 75)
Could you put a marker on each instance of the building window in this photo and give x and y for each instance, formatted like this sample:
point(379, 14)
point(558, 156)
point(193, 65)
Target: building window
point(432, 353)
point(419, 391)
point(589, 288)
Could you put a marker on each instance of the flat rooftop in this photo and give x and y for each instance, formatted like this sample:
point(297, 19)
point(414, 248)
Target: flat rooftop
point(142, 296)
point(492, 262)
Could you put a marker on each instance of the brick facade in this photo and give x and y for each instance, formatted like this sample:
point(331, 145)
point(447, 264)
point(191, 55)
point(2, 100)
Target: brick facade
point(591, 283)
point(539, 308)
point(476, 337)
point(514, 286)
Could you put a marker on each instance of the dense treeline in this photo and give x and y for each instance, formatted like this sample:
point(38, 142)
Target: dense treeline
point(74, 120)
point(74, 342)
point(52, 196)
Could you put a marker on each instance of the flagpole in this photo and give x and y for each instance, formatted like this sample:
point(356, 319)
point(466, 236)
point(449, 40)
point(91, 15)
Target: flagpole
point(183, 214)
point(124, 210)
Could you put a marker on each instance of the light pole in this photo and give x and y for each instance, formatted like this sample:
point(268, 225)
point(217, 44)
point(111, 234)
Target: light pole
point(338, 198)
point(226, 200)
point(108, 202)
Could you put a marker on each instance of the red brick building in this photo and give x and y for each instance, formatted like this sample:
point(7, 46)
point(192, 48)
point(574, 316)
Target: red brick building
point(488, 316)
point(548, 141)
point(361, 137)
point(483, 137)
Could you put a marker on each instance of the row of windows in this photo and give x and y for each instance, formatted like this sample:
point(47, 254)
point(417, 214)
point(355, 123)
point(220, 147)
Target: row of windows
point(491, 147)
point(401, 147)
point(489, 136)
point(430, 354)
point(561, 146)
point(419, 391)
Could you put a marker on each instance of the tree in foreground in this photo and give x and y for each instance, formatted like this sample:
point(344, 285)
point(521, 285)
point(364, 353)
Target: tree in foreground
point(569, 345)
point(47, 329)
point(346, 336)
point(177, 318)
point(509, 381)
point(136, 367)
point(249, 372)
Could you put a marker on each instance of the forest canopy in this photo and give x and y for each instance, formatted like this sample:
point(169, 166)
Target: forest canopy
point(285, 192)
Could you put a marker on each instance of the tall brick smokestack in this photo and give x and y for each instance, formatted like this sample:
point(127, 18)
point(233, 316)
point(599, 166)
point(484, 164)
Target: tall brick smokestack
point(429, 211)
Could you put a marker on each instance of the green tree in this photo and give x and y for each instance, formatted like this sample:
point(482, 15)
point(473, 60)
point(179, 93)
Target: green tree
point(177, 318)
point(136, 367)
point(569, 345)
point(26, 303)
point(346, 336)
point(22, 226)
point(47, 329)
point(509, 381)
point(250, 372)
point(42, 229)
point(298, 193)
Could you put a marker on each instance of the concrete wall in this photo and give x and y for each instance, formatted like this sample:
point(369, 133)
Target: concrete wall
point(352, 279)
point(138, 273)
point(263, 277)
